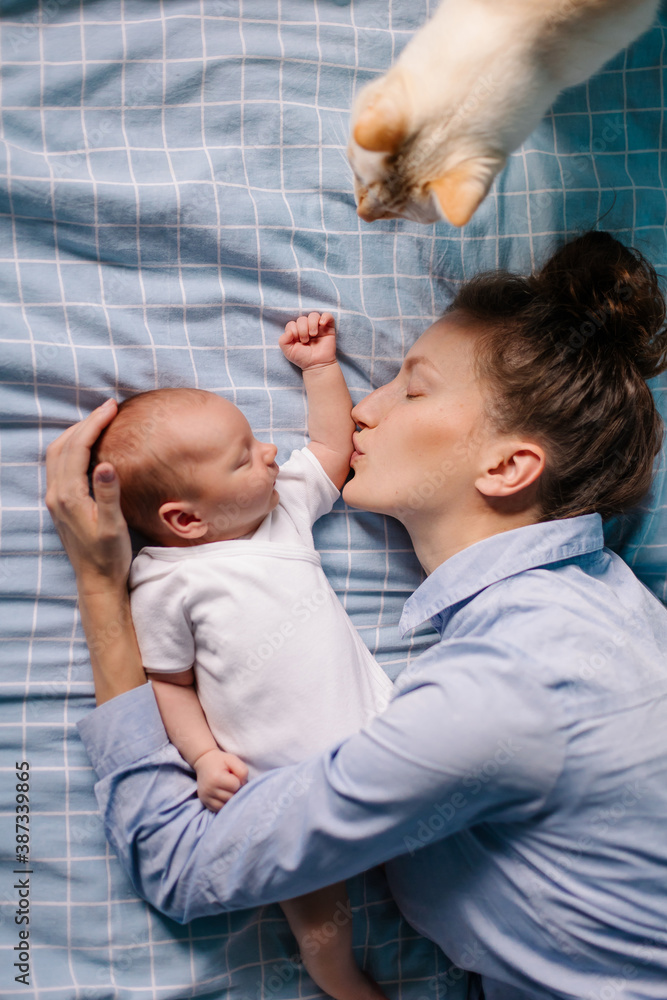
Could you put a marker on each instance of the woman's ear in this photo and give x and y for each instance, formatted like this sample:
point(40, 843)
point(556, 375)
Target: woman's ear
point(179, 519)
point(518, 465)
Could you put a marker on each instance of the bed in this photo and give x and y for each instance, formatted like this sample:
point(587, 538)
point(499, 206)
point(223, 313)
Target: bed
point(174, 188)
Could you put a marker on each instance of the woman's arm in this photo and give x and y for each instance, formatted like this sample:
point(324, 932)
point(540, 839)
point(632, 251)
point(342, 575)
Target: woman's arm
point(423, 765)
point(95, 536)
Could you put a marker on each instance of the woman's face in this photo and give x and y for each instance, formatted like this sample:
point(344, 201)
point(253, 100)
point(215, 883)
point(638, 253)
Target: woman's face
point(423, 439)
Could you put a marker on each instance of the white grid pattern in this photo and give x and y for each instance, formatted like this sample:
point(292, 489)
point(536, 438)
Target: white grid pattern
point(173, 188)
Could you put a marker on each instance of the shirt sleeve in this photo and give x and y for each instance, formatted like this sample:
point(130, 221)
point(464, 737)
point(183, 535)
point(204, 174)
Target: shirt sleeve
point(161, 621)
point(305, 490)
point(470, 731)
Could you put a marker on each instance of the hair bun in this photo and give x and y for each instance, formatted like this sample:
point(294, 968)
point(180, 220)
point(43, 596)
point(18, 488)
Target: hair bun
point(612, 298)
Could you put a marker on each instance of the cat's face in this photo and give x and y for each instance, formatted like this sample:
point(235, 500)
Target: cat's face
point(387, 185)
point(439, 168)
point(383, 189)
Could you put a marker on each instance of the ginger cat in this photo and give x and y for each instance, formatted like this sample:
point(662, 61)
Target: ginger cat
point(430, 135)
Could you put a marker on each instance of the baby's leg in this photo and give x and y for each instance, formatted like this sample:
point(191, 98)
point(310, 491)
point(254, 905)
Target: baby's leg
point(321, 922)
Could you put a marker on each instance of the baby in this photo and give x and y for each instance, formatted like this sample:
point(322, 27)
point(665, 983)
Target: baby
point(248, 648)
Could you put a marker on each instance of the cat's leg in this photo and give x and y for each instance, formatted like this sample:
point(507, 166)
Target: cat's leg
point(321, 922)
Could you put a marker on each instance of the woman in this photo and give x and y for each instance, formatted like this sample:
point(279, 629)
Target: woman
point(517, 784)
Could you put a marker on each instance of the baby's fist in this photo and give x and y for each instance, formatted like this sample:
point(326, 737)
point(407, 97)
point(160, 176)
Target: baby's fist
point(306, 328)
point(219, 775)
point(310, 341)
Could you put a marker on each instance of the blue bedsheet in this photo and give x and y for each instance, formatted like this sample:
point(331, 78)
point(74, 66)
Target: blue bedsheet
point(173, 188)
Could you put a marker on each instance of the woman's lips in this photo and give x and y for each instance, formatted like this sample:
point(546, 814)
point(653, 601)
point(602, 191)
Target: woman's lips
point(357, 453)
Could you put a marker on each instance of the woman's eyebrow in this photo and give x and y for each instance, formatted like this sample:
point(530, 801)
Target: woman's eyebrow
point(419, 359)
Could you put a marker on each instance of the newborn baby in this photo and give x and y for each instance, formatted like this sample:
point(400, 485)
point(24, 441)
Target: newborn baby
point(246, 644)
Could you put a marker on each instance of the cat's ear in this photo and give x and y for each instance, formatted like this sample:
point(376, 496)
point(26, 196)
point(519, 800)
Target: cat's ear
point(383, 124)
point(461, 190)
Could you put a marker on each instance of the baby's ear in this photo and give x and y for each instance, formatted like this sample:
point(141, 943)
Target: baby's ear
point(383, 124)
point(461, 190)
point(179, 520)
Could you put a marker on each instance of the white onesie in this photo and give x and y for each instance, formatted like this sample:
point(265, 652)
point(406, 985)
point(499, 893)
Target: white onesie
point(281, 672)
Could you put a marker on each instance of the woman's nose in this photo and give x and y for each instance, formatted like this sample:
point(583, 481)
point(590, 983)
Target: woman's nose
point(371, 408)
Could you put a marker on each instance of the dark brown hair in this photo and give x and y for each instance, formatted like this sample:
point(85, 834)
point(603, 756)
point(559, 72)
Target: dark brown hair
point(566, 352)
point(137, 445)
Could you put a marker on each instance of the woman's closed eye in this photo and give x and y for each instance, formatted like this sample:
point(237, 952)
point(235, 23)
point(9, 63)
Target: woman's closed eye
point(413, 392)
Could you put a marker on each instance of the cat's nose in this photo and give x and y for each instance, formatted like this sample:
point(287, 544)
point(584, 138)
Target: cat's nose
point(369, 212)
point(368, 209)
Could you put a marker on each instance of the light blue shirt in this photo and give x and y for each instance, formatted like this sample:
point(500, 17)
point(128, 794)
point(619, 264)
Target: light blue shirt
point(517, 782)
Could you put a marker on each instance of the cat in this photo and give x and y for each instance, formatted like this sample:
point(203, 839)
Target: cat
point(428, 137)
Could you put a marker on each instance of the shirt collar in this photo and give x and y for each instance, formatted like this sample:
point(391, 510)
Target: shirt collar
point(496, 558)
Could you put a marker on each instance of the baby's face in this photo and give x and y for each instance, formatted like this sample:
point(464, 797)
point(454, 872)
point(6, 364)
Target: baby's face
point(231, 472)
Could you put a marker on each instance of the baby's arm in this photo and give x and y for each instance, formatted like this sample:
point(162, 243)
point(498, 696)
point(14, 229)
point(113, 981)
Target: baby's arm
point(219, 774)
point(310, 343)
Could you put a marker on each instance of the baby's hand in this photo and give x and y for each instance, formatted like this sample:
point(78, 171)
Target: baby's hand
point(310, 340)
point(219, 775)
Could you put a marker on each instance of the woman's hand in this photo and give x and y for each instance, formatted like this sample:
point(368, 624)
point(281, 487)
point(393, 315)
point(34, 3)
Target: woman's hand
point(93, 531)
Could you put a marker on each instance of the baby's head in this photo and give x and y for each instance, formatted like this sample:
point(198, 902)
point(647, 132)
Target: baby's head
point(190, 469)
